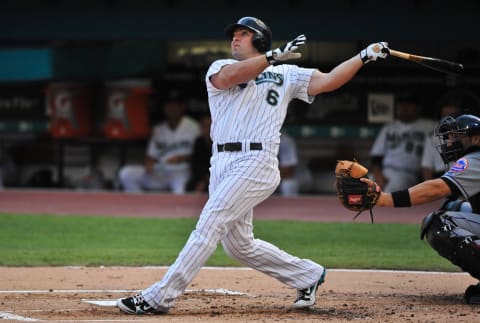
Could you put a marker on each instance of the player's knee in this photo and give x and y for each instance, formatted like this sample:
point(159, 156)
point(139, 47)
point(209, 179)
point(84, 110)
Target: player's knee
point(129, 177)
point(124, 176)
point(458, 205)
point(289, 187)
point(237, 249)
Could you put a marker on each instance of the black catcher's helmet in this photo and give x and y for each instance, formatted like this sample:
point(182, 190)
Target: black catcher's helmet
point(262, 40)
point(451, 130)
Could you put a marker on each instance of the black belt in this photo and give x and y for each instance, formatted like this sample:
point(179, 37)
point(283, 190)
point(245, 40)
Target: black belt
point(237, 146)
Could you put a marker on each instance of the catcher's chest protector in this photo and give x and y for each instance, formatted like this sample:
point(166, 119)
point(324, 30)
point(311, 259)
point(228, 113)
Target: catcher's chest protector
point(455, 236)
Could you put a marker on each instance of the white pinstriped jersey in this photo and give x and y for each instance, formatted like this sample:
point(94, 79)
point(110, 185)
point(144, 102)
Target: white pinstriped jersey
point(166, 142)
point(401, 144)
point(255, 111)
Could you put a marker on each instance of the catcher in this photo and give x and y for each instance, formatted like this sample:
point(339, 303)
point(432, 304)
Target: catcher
point(453, 230)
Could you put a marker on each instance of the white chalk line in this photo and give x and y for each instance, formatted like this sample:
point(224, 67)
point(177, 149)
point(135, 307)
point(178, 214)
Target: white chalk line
point(92, 291)
point(420, 272)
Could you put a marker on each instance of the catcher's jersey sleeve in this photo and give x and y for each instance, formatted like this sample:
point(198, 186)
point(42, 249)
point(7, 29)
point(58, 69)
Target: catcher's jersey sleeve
point(464, 175)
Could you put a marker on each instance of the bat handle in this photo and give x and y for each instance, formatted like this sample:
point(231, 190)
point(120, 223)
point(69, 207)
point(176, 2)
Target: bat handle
point(399, 54)
point(406, 56)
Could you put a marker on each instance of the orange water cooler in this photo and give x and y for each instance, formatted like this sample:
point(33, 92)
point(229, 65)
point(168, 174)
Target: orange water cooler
point(127, 109)
point(69, 106)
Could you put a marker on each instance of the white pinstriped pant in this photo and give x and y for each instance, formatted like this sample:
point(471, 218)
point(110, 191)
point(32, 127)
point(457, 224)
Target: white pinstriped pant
point(238, 182)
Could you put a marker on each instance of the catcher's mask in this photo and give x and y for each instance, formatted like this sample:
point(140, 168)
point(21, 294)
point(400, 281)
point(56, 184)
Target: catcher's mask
point(262, 40)
point(450, 132)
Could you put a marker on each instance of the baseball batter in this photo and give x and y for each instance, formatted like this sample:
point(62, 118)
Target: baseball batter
point(248, 98)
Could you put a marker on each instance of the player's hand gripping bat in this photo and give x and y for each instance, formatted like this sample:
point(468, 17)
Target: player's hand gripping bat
point(437, 64)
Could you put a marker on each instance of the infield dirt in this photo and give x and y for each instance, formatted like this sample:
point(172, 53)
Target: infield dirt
point(56, 293)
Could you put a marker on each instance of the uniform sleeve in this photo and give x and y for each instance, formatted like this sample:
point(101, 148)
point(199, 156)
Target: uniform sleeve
point(214, 68)
point(187, 134)
point(195, 128)
point(301, 77)
point(153, 149)
point(464, 176)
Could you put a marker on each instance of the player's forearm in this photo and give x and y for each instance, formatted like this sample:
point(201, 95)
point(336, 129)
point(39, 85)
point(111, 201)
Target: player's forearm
point(177, 159)
point(239, 72)
point(422, 193)
point(429, 191)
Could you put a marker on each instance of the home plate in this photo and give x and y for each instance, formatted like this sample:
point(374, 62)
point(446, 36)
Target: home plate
point(100, 302)
point(222, 291)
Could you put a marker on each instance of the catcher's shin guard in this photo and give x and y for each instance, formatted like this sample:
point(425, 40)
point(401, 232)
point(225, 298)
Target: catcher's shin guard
point(455, 236)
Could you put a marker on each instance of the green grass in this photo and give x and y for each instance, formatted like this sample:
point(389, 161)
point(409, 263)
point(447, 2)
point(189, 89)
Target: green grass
point(34, 240)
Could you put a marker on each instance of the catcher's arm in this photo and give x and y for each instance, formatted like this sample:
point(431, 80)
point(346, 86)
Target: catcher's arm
point(421, 193)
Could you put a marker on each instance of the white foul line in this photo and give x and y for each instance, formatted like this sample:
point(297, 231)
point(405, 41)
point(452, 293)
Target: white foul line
point(71, 291)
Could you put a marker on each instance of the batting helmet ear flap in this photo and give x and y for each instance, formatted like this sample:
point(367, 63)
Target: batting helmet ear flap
point(260, 43)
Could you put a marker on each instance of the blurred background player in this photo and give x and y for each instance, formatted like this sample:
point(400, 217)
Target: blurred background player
point(200, 159)
point(287, 163)
point(397, 151)
point(168, 154)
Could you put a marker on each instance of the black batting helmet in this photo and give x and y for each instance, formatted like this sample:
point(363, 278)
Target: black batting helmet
point(262, 40)
point(450, 130)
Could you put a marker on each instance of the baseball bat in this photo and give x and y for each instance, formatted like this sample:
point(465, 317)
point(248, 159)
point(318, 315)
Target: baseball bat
point(437, 64)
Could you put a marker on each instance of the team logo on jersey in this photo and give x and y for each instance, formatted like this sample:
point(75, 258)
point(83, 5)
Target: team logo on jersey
point(459, 166)
point(271, 77)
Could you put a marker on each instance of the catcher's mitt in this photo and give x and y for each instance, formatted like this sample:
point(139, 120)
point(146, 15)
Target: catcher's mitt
point(354, 194)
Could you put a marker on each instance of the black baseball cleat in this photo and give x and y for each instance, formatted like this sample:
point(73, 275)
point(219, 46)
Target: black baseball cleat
point(472, 294)
point(137, 305)
point(306, 297)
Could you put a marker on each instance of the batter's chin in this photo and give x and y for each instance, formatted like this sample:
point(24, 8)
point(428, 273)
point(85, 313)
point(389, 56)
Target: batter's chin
point(236, 56)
